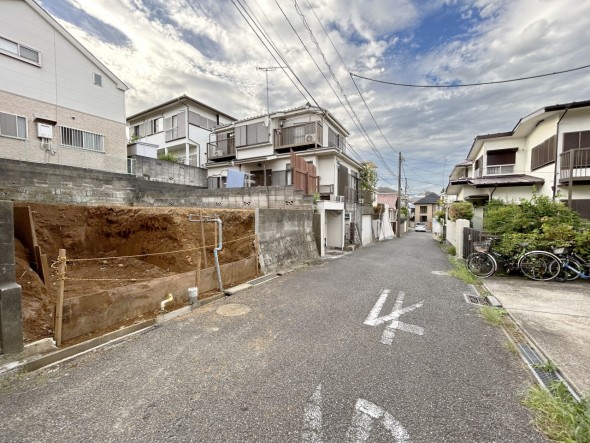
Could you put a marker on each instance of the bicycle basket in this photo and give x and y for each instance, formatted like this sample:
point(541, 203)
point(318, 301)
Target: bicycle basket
point(483, 246)
point(561, 250)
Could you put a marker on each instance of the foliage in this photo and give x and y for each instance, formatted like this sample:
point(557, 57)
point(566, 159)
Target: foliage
point(461, 210)
point(494, 316)
point(368, 177)
point(558, 415)
point(540, 223)
point(452, 250)
point(440, 216)
point(460, 272)
point(168, 157)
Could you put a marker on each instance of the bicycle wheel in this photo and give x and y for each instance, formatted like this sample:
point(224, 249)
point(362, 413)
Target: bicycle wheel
point(481, 264)
point(540, 265)
point(570, 269)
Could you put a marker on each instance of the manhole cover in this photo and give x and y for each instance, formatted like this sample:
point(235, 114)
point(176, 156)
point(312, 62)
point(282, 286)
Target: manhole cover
point(233, 310)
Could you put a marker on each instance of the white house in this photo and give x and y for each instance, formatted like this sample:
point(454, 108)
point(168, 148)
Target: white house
point(180, 127)
point(304, 147)
point(58, 102)
point(548, 150)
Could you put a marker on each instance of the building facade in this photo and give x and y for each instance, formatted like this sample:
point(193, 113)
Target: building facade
point(180, 127)
point(548, 150)
point(58, 103)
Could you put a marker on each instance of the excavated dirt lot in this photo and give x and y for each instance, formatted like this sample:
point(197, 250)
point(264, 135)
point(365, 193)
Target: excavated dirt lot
point(104, 233)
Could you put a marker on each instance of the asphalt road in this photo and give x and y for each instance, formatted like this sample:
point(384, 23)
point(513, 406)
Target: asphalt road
point(324, 354)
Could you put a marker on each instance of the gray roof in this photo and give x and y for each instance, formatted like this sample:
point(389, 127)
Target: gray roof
point(503, 181)
point(429, 199)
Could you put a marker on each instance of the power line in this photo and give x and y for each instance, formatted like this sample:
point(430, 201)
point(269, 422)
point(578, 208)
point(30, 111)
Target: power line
point(463, 85)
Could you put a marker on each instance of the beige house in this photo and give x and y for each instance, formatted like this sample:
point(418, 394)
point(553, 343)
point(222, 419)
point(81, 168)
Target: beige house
point(425, 208)
point(58, 103)
point(548, 150)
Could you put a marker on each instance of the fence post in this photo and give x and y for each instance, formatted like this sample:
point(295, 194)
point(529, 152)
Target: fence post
point(60, 296)
point(257, 247)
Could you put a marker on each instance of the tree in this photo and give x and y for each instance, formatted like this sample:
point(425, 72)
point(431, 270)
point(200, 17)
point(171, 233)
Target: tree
point(368, 176)
point(461, 210)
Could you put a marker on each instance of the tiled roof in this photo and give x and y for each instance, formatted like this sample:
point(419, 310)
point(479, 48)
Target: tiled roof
point(429, 199)
point(388, 199)
point(506, 180)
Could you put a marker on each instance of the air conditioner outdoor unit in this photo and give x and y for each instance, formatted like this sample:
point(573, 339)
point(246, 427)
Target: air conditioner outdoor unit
point(44, 131)
point(339, 198)
point(218, 153)
point(309, 138)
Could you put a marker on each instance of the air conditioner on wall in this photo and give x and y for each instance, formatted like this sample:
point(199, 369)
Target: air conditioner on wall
point(309, 138)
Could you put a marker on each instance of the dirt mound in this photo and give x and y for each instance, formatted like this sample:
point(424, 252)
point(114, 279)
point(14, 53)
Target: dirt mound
point(121, 243)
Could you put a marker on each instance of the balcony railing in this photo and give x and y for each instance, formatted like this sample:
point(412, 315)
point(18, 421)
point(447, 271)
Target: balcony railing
point(575, 163)
point(221, 149)
point(308, 134)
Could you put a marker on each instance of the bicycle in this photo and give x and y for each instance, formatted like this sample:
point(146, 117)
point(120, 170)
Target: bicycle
point(536, 265)
point(573, 266)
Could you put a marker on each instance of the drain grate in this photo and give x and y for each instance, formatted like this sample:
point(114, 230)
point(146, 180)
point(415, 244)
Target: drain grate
point(262, 279)
point(476, 300)
point(545, 377)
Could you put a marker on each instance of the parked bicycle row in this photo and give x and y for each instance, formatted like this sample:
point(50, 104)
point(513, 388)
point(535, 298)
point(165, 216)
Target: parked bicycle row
point(562, 264)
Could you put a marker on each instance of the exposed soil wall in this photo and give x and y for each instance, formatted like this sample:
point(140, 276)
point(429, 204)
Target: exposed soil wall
point(94, 238)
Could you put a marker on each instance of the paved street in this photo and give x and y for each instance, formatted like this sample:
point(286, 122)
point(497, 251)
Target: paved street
point(378, 345)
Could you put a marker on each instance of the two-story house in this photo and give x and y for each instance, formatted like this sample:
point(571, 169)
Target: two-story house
point(180, 127)
point(304, 147)
point(58, 103)
point(548, 149)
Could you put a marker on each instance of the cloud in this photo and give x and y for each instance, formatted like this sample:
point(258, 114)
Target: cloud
point(207, 49)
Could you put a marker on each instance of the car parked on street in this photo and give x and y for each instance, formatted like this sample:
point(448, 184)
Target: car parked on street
point(420, 227)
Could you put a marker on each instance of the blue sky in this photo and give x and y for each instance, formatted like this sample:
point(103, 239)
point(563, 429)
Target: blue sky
point(207, 50)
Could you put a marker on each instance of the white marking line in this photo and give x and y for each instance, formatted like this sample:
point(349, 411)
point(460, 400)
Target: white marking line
point(373, 318)
point(361, 425)
point(312, 427)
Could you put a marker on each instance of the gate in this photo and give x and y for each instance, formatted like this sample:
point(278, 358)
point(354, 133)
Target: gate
point(305, 176)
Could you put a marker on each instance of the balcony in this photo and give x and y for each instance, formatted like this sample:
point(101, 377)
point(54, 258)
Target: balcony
point(575, 163)
point(297, 138)
point(221, 149)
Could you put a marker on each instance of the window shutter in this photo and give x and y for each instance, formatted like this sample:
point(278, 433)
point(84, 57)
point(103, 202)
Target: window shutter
point(241, 136)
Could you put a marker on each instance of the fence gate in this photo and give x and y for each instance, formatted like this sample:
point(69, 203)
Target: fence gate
point(305, 176)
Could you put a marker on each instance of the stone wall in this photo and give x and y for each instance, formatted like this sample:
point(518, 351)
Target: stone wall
point(286, 238)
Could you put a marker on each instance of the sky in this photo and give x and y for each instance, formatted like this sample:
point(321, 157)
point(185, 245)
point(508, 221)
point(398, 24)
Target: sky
point(212, 50)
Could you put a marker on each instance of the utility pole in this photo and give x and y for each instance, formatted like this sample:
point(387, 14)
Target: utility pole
point(266, 69)
point(398, 221)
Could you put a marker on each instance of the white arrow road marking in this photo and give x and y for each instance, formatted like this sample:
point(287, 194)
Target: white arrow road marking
point(361, 425)
point(373, 318)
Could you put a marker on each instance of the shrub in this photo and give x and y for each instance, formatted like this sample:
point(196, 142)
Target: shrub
point(168, 157)
point(452, 250)
point(461, 210)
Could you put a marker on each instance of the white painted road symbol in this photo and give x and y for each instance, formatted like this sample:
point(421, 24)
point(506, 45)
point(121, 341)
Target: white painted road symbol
point(361, 425)
point(373, 318)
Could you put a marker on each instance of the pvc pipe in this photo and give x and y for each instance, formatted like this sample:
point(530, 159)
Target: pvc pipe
point(167, 300)
point(219, 246)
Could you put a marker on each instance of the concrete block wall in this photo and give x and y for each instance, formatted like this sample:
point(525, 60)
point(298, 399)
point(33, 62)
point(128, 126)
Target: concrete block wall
point(167, 172)
point(47, 183)
point(11, 326)
point(286, 238)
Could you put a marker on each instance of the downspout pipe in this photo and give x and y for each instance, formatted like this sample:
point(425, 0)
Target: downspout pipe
point(556, 154)
point(192, 218)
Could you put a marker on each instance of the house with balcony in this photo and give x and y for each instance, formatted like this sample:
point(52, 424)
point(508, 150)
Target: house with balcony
point(180, 128)
point(548, 150)
point(58, 103)
point(304, 147)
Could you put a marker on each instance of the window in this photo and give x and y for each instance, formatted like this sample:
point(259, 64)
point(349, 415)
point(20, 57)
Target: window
point(544, 153)
point(199, 120)
point(97, 79)
point(423, 209)
point(19, 51)
point(478, 167)
point(501, 161)
point(76, 138)
point(576, 140)
point(251, 134)
point(157, 125)
point(13, 126)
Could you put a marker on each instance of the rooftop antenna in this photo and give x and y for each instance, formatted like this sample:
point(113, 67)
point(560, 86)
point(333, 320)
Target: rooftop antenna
point(266, 69)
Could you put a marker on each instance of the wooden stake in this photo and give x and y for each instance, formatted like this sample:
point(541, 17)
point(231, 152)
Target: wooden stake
point(60, 297)
point(257, 247)
point(203, 238)
point(198, 279)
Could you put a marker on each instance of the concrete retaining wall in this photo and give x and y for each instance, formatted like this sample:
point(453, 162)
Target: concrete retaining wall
point(167, 172)
point(47, 183)
point(286, 238)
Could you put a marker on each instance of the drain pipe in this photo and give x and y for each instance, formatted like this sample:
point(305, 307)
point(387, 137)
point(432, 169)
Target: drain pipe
point(219, 246)
point(164, 302)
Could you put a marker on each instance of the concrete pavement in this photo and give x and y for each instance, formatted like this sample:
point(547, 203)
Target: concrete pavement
point(555, 317)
